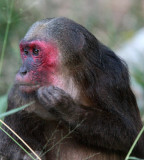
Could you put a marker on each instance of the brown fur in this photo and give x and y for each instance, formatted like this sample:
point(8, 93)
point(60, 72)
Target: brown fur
point(90, 114)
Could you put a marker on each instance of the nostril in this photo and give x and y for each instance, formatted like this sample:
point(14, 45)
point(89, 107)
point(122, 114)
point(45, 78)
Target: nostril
point(23, 71)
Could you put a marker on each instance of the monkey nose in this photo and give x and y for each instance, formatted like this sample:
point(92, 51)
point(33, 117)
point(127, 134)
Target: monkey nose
point(23, 70)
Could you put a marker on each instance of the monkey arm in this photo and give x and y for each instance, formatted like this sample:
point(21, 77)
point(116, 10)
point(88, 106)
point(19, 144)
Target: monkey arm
point(24, 125)
point(104, 129)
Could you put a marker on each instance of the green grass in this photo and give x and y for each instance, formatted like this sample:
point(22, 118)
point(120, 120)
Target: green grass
point(134, 144)
point(3, 104)
point(6, 36)
point(15, 110)
point(17, 143)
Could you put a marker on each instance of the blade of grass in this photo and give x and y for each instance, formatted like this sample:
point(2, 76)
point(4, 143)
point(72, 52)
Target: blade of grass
point(136, 140)
point(20, 139)
point(64, 137)
point(11, 112)
point(3, 103)
point(15, 110)
point(6, 36)
point(17, 143)
point(134, 158)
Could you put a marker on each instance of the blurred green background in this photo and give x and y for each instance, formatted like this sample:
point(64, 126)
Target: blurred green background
point(113, 22)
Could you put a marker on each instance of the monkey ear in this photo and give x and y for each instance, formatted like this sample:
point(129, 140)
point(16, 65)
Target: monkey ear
point(76, 41)
point(81, 41)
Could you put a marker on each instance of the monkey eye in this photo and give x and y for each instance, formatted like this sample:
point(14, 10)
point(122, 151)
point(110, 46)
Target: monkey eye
point(26, 51)
point(35, 51)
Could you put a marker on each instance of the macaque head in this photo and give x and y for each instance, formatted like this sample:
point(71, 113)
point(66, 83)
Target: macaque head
point(48, 48)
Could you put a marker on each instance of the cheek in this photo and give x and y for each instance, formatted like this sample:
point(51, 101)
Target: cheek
point(46, 72)
point(44, 75)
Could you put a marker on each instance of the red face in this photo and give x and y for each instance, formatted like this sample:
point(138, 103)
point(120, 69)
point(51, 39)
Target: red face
point(40, 63)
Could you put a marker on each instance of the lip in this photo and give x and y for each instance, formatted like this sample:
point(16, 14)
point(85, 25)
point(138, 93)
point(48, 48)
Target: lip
point(28, 87)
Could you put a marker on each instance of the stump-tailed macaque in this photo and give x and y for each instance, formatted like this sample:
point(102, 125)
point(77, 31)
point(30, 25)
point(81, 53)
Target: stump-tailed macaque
point(84, 107)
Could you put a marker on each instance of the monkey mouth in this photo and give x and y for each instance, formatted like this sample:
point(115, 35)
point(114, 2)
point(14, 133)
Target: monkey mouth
point(29, 87)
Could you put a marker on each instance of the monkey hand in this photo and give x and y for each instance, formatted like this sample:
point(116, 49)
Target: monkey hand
point(57, 101)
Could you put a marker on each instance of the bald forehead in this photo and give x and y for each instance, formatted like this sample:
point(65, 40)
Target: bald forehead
point(50, 28)
point(40, 30)
point(36, 31)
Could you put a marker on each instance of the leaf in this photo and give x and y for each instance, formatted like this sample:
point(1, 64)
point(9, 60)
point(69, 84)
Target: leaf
point(3, 104)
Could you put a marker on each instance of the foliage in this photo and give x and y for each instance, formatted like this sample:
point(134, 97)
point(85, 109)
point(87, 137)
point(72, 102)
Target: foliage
point(3, 104)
